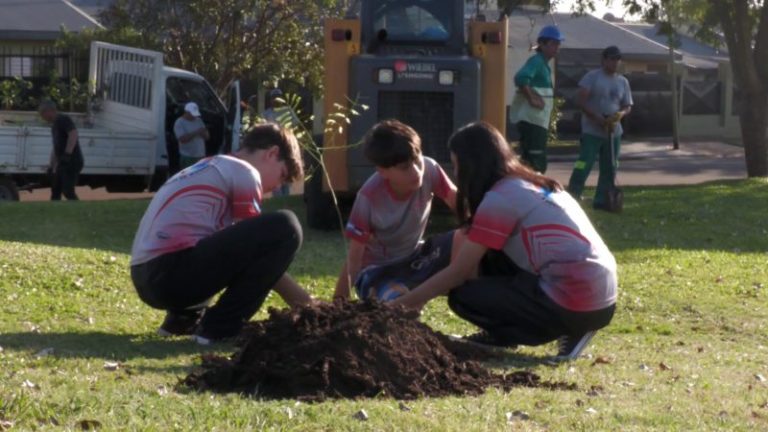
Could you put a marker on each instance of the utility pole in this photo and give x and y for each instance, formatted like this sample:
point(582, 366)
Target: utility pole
point(672, 41)
point(675, 104)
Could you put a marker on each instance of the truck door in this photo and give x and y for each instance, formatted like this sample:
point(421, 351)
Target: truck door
point(181, 90)
point(234, 116)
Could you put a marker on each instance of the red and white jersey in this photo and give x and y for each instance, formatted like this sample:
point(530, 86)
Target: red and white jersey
point(204, 198)
point(391, 228)
point(548, 234)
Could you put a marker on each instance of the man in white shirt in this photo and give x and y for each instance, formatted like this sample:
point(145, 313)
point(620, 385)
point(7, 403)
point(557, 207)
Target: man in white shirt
point(192, 134)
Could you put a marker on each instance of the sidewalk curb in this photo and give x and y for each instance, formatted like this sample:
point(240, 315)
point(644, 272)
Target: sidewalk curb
point(646, 156)
point(574, 157)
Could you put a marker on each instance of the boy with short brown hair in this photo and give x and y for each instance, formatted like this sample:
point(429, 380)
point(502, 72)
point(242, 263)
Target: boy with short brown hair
point(390, 215)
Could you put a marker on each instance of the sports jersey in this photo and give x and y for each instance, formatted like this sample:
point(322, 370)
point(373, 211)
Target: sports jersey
point(390, 227)
point(548, 234)
point(536, 74)
point(195, 203)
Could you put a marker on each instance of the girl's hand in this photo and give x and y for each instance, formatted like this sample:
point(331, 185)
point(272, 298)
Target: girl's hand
point(411, 307)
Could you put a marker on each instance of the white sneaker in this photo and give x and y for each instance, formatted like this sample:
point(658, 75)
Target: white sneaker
point(200, 340)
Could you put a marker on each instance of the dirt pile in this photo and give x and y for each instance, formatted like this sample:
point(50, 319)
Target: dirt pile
point(348, 350)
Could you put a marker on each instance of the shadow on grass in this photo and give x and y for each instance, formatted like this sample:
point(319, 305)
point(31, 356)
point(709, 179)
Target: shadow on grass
point(686, 166)
point(100, 345)
point(514, 361)
point(719, 216)
point(726, 216)
point(104, 225)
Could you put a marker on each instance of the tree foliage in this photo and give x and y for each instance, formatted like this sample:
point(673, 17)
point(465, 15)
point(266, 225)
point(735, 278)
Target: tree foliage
point(263, 40)
point(742, 26)
point(11, 92)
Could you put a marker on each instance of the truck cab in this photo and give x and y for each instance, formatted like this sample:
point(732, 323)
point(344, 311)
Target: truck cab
point(222, 118)
point(127, 135)
point(135, 90)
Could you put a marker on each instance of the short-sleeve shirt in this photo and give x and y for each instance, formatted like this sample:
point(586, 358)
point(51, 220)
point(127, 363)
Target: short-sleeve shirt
point(196, 146)
point(548, 234)
point(536, 74)
point(198, 201)
point(607, 94)
point(60, 129)
point(392, 228)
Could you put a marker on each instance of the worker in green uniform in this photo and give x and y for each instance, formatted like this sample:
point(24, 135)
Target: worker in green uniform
point(533, 102)
point(604, 98)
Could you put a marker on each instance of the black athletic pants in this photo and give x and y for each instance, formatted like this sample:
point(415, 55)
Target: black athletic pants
point(245, 260)
point(508, 303)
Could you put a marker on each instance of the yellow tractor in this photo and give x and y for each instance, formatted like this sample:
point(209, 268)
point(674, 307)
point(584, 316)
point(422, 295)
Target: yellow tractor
point(418, 61)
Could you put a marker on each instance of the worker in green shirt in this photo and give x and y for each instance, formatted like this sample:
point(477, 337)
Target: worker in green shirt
point(533, 102)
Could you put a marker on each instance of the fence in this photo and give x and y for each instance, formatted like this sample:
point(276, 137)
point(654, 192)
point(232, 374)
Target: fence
point(38, 65)
point(39, 62)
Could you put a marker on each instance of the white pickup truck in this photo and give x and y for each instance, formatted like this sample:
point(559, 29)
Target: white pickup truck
point(128, 133)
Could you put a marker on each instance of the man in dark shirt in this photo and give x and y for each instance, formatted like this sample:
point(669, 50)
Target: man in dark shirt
point(66, 158)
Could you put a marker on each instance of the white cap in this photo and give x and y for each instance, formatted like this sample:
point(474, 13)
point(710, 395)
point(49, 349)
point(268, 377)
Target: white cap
point(192, 108)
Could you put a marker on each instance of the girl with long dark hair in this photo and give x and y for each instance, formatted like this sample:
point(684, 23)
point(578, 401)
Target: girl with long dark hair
point(532, 268)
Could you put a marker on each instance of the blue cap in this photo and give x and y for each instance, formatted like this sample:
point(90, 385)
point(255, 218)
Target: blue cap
point(551, 32)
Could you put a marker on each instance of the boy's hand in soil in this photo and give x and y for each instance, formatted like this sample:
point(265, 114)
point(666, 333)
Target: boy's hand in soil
point(292, 293)
point(350, 270)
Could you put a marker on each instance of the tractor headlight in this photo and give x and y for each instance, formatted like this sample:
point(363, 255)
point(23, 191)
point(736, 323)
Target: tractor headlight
point(446, 77)
point(386, 76)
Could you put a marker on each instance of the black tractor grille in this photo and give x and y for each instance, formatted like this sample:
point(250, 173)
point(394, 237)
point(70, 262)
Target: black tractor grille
point(429, 113)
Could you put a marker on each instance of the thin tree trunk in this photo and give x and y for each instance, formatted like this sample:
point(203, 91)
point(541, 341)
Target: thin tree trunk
point(754, 127)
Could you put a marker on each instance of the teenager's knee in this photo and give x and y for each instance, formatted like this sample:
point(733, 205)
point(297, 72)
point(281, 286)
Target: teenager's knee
point(287, 226)
point(458, 299)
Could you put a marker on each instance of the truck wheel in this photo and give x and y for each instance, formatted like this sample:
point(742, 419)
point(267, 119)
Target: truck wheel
point(321, 213)
point(8, 189)
point(158, 178)
point(127, 184)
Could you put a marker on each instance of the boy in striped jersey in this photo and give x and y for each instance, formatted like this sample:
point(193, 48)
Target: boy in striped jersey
point(204, 232)
point(386, 253)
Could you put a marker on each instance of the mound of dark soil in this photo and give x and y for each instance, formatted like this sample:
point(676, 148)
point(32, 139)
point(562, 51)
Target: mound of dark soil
point(348, 350)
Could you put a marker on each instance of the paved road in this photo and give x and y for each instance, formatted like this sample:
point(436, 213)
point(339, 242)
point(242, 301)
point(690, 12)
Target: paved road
point(643, 163)
point(656, 163)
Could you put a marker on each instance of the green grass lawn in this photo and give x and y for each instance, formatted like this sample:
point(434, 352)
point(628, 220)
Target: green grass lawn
point(687, 350)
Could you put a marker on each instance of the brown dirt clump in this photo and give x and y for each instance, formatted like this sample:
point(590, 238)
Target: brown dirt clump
point(349, 350)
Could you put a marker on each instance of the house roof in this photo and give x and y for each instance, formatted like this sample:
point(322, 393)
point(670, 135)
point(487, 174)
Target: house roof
point(40, 19)
point(585, 32)
point(695, 54)
point(92, 7)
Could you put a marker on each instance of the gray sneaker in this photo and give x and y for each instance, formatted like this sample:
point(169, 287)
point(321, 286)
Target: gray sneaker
point(570, 347)
point(485, 340)
point(206, 339)
point(176, 324)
